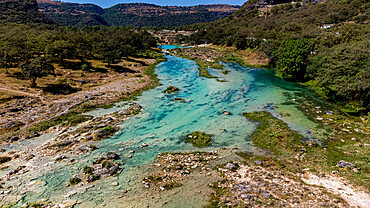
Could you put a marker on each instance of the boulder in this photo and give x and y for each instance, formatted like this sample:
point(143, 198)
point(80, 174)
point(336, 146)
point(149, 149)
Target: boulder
point(232, 166)
point(13, 125)
point(60, 157)
point(113, 170)
point(112, 156)
point(257, 162)
point(344, 164)
point(35, 134)
point(101, 132)
point(29, 157)
point(101, 172)
point(14, 139)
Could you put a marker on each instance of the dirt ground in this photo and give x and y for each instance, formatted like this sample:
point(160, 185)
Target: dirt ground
point(22, 106)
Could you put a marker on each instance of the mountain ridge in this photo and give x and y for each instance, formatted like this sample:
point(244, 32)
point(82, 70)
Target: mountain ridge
point(133, 14)
point(22, 11)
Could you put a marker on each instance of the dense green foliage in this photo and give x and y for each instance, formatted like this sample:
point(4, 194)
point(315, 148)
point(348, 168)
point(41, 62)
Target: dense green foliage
point(22, 11)
point(35, 48)
point(135, 14)
point(293, 58)
point(344, 72)
point(323, 43)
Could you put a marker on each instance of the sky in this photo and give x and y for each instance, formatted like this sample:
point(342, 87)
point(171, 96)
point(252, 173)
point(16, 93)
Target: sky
point(109, 3)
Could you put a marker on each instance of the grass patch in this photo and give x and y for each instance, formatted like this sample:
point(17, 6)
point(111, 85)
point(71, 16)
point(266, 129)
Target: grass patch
point(106, 106)
point(72, 118)
point(203, 69)
point(284, 145)
point(199, 139)
point(87, 170)
point(215, 65)
point(170, 186)
point(74, 181)
point(273, 134)
point(225, 72)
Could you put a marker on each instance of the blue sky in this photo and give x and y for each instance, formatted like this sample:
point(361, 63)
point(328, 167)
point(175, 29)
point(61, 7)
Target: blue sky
point(108, 3)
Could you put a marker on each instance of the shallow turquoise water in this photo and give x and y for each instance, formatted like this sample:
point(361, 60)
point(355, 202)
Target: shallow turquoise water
point(170, 47)
point(163, 122)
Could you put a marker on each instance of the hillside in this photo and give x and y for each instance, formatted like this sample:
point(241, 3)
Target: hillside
point(73, 14)
point(21, 11)
point(321, 43)
point(135, 14)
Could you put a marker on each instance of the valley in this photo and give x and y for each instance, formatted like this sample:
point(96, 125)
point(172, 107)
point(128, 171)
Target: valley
point(139, 105)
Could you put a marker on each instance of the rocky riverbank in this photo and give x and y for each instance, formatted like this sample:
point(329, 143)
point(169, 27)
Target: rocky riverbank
point(66, 135)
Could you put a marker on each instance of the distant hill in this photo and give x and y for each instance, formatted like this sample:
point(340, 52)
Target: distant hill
point(73, 14)
point(21, 11)
point(135, 14)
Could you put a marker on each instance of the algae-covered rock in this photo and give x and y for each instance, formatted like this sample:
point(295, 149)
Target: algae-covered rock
point(171, 89)
point(179, 100)
point(199, 139)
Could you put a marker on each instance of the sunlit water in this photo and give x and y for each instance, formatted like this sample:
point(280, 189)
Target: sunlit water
point(163, 122)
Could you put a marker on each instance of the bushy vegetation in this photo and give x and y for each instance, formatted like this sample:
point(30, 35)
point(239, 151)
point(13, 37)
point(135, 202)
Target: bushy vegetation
point(199, 139)
point(300, 48)
point(35, 49)
point(74, 181)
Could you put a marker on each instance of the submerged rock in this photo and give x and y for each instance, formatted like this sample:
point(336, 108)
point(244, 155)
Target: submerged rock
point(226, 113)
point(179, 100)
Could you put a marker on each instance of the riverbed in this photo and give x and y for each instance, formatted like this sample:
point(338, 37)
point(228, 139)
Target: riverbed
point(163, 123)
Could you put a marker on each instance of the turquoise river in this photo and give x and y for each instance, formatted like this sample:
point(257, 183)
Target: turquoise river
point(163, 123)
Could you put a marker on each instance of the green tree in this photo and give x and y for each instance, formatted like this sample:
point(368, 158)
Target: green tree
point(293, 59)
point(109, 51)
point(38, 68)
point(8, 56)
point(61, 49)
point(343, 71)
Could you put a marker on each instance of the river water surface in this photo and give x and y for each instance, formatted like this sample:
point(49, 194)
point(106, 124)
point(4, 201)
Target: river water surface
point(163, 122)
